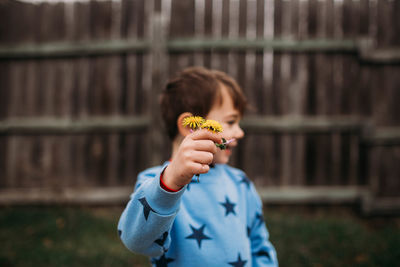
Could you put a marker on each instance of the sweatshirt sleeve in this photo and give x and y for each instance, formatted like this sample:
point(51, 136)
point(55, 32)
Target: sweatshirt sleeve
point(146, 222)
point(263, 252)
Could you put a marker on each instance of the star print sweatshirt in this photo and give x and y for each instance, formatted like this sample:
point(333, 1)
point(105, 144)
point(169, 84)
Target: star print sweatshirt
point(216, 221)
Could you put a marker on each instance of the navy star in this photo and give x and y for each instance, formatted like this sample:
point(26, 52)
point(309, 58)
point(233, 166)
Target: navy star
point(198, 234)
point(239, 262)
point(162, 261)
point(260, 218)
point(119, 233)
point(246, 181)
point(146, 207)
point(263, 253)
point(161, 241)
point(229, 206)
point(248, 229)
point(137, 185)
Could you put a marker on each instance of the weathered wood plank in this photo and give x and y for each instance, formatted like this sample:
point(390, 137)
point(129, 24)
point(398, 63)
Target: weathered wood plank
point(316, 194)
point(109, 47)
point(389, 55)
point(159, 70)
point(120, 195)
point(51, 126)
point(297, 124)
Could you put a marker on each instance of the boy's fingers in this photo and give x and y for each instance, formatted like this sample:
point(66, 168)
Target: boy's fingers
point(205, 145)
point(199, 168)
point(202, 157)
point(206, 134)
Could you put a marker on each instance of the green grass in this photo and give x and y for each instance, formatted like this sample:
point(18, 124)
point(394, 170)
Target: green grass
point(333, 237)
point(60, 236)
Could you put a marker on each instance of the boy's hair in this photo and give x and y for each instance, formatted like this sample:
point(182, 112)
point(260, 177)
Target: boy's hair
point(196, 90)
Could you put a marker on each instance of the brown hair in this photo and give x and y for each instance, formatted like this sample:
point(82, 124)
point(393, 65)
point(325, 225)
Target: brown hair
point(196, 90)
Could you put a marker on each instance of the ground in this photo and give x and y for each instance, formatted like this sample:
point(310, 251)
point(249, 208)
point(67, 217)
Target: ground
point(303, 236)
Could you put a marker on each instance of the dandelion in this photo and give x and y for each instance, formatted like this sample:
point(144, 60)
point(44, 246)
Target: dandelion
point(194, 122)
point(197, 122)
point(212, 126)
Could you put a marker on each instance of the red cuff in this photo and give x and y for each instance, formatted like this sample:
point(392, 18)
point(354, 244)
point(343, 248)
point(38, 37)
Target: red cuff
point(164, 186)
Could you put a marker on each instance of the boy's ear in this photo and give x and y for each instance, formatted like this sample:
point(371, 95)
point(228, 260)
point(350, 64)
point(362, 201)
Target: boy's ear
point(179, 123)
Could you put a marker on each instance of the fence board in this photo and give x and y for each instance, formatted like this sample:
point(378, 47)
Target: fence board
point(299, 89)
point(216, 33)
point(393, 85)
point(4, 94)
point(337, 87)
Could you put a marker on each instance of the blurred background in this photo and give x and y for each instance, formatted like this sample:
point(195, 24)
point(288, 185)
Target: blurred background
point(79, 118)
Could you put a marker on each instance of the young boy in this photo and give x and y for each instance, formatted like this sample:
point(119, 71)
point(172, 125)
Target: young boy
point(215, 219)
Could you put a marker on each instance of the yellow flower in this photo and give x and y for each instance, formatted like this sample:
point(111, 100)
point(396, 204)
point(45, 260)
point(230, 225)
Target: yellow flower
point(212, 126)
point(194, 122)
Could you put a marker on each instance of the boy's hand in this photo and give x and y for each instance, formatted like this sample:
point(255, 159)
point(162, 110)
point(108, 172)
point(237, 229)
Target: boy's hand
point(194, 155)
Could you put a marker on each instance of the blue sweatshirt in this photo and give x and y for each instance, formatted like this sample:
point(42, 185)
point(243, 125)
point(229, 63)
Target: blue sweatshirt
point(217, 221)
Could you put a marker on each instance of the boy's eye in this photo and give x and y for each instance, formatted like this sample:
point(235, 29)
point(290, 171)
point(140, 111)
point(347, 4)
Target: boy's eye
point(230, 122)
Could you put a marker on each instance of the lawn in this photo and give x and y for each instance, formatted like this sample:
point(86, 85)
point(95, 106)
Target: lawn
point(303, 236)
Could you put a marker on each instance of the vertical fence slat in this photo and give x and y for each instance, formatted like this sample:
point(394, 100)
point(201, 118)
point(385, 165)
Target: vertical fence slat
point(82, 74)
point(384, 21)
point(132, 78)
point(146, 84)
point(300, 82)
point(29, 178)
point(233, 32)
point(12, 142)
point(247, 29)
point(216, 20)
point(199, 28)
point(21, 88)
point(266, 94)
point(114, 92)
point(159, 62)
point(65, 96)
point(4, 85)
point(336, 95)
point(286, 92)
point(274, 141)
point(180, 16)
point(323, 85)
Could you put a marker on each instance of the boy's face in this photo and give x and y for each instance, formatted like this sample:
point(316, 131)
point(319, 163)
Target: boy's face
point(229, 117)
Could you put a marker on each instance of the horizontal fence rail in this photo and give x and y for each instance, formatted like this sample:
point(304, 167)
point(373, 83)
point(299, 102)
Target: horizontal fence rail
point(55, 126)
point(63, 50)
point(316, 45)
point(363, 48)
point(254, 125)
point(119, 195)
point(332, 195)
point(299, 124)
point(384, 137)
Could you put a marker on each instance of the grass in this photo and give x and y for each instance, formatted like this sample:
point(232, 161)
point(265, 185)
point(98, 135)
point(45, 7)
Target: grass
point(333, 237)
point(65, 236)
point(62, 237)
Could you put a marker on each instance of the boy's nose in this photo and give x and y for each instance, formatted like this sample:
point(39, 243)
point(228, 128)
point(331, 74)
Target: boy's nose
point(239, 133)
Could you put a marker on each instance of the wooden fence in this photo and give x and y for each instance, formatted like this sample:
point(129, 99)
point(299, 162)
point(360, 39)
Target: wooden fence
point(79, 84)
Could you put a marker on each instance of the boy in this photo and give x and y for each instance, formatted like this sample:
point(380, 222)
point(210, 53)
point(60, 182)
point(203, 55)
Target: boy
point(180, 219)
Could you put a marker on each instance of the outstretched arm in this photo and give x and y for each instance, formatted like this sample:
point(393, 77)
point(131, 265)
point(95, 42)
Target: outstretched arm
point(145, 223)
